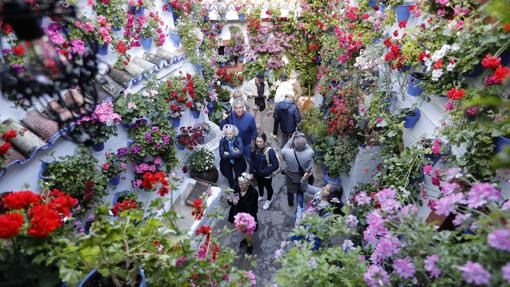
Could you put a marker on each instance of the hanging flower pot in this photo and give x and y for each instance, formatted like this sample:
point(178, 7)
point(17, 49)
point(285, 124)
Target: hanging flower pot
point(402, 12)
point(176, 122)
point(381, 7)
point(195, 114)
point(206, 18)
point(115, 180)
point(102, 49)
point(411, 117)
point(241, 59)
point(146, 43)
point(175, 16)
point(42, 172)
point(98, 147)
point(138, 11)
point(177, 144)
point(222, 64)
point(241, 17)
point(413, 89)
point(175, 38)
point(94, 278)
point(501, 143)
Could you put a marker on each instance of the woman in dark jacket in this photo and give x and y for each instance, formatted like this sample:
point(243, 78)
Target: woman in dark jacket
point(246, 201)
point(232, 162)
point(264, 163)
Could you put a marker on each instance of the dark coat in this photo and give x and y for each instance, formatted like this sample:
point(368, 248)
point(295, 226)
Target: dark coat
point(260, 166)
point(287, 115)
point(239, 161)
point(247, 204)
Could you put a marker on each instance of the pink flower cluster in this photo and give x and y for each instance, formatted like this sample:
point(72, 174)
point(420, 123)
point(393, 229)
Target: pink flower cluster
point(245, 223)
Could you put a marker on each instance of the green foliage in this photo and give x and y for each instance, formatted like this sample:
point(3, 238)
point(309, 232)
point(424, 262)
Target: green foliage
point(80, 176)
point(201, 160)
point(313, 124)
point(339, 156)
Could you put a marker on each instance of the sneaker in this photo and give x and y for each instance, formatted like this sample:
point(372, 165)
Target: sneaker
point(249, 249)
point(243, 243)
point(261, 198)
point(267, 204)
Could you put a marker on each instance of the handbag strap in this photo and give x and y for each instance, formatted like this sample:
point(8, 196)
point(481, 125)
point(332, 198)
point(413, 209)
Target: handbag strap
point(299, 164)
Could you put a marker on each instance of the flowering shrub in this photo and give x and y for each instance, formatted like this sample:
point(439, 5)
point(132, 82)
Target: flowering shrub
point(113, 166)
point(245, 223)
point(154, 140)
point(201, 160)
point(101, 124)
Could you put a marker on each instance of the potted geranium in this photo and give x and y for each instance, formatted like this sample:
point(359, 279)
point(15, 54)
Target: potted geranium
point(6, 151)
point(33, 225)
point(154, 141)
point(113, 168)
point(125, 200)
point(201, 164)
point(113, 10)
point(189, 138)
point(151, 29)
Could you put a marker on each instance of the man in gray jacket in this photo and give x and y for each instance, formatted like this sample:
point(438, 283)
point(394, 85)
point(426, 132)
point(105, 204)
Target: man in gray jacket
point(298, 156)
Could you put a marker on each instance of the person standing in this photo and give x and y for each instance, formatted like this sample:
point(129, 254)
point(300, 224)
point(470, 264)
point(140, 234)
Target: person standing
point(285, 87)
point(264, 163)
point(232, 162)
point(258, 89)
point(298, 156)
point(245, 201)
point(245, 123)
point(287, 117)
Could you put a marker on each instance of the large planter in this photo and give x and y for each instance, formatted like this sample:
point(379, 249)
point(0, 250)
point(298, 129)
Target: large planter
point(195, 114)
point(94, 277)
point(413, 88)
point(175, 38)
point(176, 122)
point(501, 143)
point(146, 43)
point(402, 12)
point(98, 147)
point(208, 175)
point(411, 118)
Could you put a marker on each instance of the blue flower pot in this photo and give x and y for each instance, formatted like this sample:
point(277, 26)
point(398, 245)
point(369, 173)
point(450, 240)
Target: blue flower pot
point(140, 11)
point(98, 147)
point(371, 3)
point(501, 143)
point(318, 60)
point(336, 180)
point(411, 120)
point(103, 50)
point(175, 16)
point(176, 122)
point(381, 7)
point(44, 165)
point(94, 272)
point(405, 68)
point(178, 146)
point(222, 64)
point(116, 29)
point(402, 12)
point(241, 17)
point(434, 158)
point(124, 125)
point(146, 43)
point(210, 107)
point(206, 18)
point(413, 89)
point(240, 59)
point(115, 180)
point(377, 40)
point(195, 114)
point(175, 38)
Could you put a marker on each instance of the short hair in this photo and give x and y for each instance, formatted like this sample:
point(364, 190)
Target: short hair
point(230, 127)
point(335, 190)
point(237, 93)
point(238, 102)
point(299, 143)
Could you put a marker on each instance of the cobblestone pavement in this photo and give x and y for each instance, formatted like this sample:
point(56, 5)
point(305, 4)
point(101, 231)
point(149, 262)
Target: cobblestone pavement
point(275, 223)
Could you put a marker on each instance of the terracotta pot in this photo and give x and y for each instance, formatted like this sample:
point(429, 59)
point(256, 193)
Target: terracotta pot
point(208, 175)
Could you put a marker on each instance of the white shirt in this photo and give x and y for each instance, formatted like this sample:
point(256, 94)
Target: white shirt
point(284, 89)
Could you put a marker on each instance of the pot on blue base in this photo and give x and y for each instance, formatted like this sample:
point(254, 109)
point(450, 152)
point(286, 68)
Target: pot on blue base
point(116, 29)
point(115, 180)
point(95, 273)
point(102, 50)
point(146, 43)
point(175, 38)
point(178, 145)
point(98, 147)
point(411, 118)
point(241, 17)
point(195, 114)
point(176, 122)
point(335, 181)
point(501, 143)
point(402, 12)
point(413, 89)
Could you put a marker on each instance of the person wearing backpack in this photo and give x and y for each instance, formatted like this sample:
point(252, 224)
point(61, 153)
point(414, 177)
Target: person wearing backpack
point(264, 164)
point(287, 117)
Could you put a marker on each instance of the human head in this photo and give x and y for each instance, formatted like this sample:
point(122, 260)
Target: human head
point(244, 180)
point(239, 106)
point(260, 140)
point(299, 142)
point(237, 94)
point(260, 76)
point(289, 96)
point(230, 131)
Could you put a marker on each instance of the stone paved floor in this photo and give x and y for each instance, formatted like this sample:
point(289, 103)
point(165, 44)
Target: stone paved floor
point(274, 223)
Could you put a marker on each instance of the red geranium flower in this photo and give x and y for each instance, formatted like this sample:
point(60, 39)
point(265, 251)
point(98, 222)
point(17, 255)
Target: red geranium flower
point(490, 62)
point(402, 24)
point(455, 94)
point(43, 220)
point(189, 104)
point(20, 199)
point(123, 206)
point(18, 50)
point(4, 148)
point(10, 225)
point(501, 74)
point(9, 135)
point(438, 64)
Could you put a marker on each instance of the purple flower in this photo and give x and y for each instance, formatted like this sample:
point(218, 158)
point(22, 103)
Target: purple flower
point(410, 209)
point(481, 193)
point(351, 221)
point(387, 247)
point(449, 188)
point(431, 265)
point(375, 227)
point(180, 261)
point(505, 271)
point(376, 276)
point(155, 129)
point(387, 200)
point(404, 267)
point(123, 151)
point(500, 239)
point(446, 205)
point(460, 218)
point(166, 139)
point(474, 273)
point(136, 148)
point(147, 136)
point(362, 198)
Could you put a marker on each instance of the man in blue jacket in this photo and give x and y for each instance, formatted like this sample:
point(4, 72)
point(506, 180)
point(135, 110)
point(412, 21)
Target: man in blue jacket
point(245, 123)
point(287, 116)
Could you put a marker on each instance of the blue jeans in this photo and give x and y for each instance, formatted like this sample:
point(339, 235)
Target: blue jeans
point(300, 198)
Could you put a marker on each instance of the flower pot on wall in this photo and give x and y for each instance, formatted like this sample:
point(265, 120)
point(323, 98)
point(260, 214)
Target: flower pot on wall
point(98, 147)
point(198, 67)
point(146, 43)
point(208, 175)
point(176, 122)
point(195, 114)
point(241, 17)
point(402, 12)
point(411, 118)
point(381, 7)
point(371, 3)
point(175, 38)
point(102, 49)
point(413, 89)
point(139, 11)
point(210, 107)
point(94, 277)
point(175, 17)
point(501, 143)
point(115, 180)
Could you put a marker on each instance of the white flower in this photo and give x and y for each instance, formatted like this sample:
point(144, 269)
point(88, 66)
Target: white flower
point(347, 245)
point(312, 263)
point(450, 67)
point(436, 74)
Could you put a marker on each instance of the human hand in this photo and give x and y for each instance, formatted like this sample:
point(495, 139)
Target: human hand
point(225, 115)
point(225, 153)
